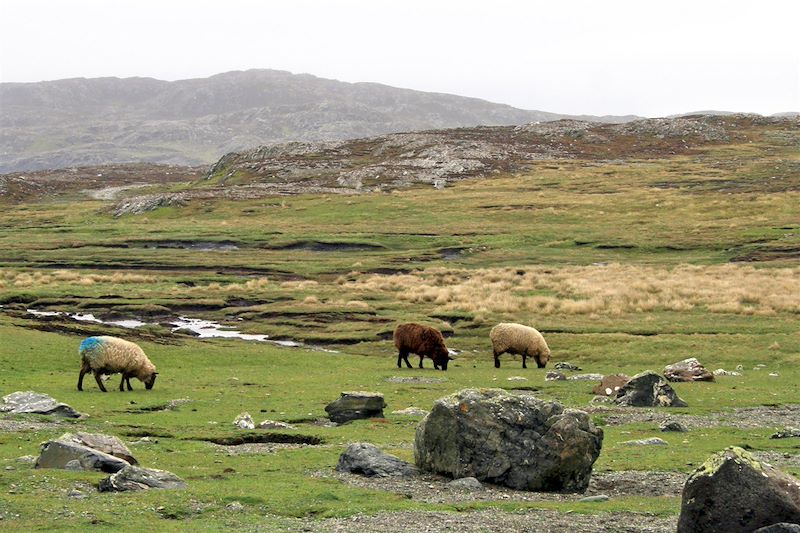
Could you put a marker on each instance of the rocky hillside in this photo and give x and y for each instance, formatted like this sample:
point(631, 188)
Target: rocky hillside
point(81, 122)
point(440, 157)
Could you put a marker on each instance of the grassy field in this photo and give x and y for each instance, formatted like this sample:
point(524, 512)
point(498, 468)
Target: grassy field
point(623, 266)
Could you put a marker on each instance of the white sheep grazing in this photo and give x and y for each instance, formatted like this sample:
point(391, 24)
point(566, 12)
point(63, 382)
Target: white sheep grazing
point(109, 355)
point(520, 340)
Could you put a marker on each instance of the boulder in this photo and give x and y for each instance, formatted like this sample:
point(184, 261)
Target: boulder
point(687, 370)
point(355, 406)
point(37, 403)
point(735, 493)
point(671, 425)
point(67, 454)
point(133, 478)
point(552, 375)
point(786, 433)
point(468, 484)
point(507, 439)
point(609, 385)
point(648, 389)
point(103, 443)
point(563, 365)
point(652, 441)
point(368, 460)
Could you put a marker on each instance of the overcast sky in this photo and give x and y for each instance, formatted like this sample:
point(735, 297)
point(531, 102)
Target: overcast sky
point(649, 58)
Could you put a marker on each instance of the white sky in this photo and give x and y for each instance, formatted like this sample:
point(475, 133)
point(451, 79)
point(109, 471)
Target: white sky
point(643, 57)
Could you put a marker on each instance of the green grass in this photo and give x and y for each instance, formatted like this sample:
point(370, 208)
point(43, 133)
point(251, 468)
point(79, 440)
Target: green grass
point(558, 215)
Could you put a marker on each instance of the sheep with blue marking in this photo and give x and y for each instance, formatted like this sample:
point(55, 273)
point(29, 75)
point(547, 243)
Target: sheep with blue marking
point(520, 340)
point(111, 355)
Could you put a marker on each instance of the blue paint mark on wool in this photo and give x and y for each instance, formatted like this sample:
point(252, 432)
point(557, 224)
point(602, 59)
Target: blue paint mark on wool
point(90, 344)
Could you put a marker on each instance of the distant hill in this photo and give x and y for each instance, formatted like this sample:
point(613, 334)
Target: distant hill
point(80, 122)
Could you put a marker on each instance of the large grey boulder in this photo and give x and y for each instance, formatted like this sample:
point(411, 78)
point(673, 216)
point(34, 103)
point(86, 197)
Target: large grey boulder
point(648, 389)
point(781, 527)
point(688, 370)
point(37, 403)
point(356, 405)
point(514, 440)
point(133, 478)
point(103, 443)
point(368, 460)
point(735, 493)
point(66, 453)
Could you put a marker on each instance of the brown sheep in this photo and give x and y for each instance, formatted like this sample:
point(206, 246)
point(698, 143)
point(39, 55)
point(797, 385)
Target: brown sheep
point(424, 341)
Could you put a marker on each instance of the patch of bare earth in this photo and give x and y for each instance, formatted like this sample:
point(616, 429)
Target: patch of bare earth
point(770, 417)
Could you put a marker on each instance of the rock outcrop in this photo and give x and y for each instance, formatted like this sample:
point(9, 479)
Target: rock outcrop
point(688, 370)
point(37, 403)
point(648, 389)
point(133, 478)
point(356, 405)
point(368, 460)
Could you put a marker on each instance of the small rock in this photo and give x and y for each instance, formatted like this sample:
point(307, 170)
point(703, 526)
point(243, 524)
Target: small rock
point(517, 378)
point(235, 507)
point(652, 441)
point(586, 377)
point(563, 365)
point(368, 460)
point(552, 375)
point(133, 478)
point(37, 403)
point(411, 411)
point(244, 421)
point(465, 483)
point(648, 389)
point(26, 459)
point(723, 372)
point(739, 368)
point(671, 425)
point(356, 405)
point(595, 498)
point(76, 494)
point(774, 374)
point(272, 424)
point(687, 370)
point(786, 433)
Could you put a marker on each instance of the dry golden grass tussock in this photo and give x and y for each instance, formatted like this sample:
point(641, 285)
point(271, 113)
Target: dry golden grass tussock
point(68, 277)
point(611, 289)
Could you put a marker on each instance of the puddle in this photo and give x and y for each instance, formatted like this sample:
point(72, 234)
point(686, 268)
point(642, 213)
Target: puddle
point(255, 438)
point(204, 329)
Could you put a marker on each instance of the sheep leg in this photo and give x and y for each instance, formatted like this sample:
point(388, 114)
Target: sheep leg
point(524, 356)
point(128, 381)
point(420, 361)
point(125, 378)
point(99, 381)
point(403, 356)
point(496, 359)
point(84, 369)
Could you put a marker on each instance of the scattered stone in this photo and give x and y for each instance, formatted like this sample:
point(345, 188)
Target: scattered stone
point(687, 370)
point(69, 452)
point(27, 459)
point(652, 441)
point(465, 483)
point(411, 411)
point(723, 372)
point(244, 421)
point(552, 375)
point(34, 402)
point(563, 365)
point(356, 405)
point(586, 377)
point(648, 389)
point(595, 498)
point(272, 424)
point(490, 434)
point(671, 425)
point(786, 433)
point(517, 378)
point(773, 374)
point(735, 493)
point(781, 527)
point(610, 385)
point(414, 379)
point(132, 478)
point(759, 366)
point(368, 460)
point(76, 494)
point(235, 507)
point(739, 368)
point(600, 399)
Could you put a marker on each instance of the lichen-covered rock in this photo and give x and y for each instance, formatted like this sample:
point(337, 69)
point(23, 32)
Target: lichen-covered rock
point(37, 403)
point(648, 389)
point(688, 370)
point(132, 478)
point(514, 440)
point(69, 453)
point(368, 460)
point(356, 405)
point(244, 421)
point(610, 385)
point(735, 493)
point(104, 443)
